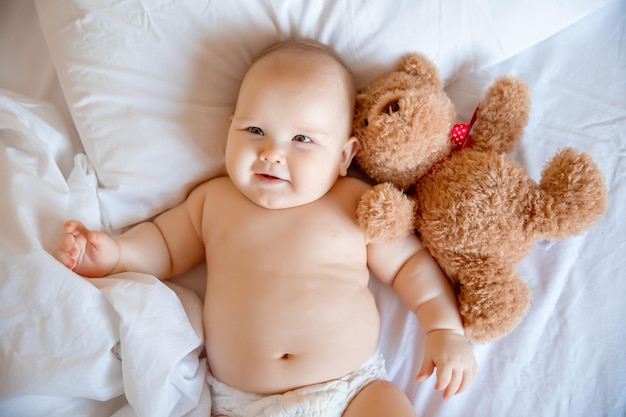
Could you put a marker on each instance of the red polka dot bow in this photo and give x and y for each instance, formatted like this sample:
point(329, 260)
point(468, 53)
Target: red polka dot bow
point(460, 134)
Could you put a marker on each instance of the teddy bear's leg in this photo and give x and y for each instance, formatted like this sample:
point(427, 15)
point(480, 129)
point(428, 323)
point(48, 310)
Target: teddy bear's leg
point(502, 115)
point(385, 213)
point(577, 194)
point(492, 306)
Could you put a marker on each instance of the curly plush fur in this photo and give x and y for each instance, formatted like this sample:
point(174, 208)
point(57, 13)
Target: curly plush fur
point(477, 211)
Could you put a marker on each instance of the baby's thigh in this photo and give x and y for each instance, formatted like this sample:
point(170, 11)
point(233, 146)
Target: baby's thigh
point(380, 398)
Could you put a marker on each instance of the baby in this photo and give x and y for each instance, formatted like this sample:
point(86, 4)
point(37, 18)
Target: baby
point(290, 325)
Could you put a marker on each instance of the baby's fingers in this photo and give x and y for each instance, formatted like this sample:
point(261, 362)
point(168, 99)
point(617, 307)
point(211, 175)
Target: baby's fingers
point(452, 387)
point(428, 367)
point(98, 244)
point(67, 252)
point(444, 378)
point(468, 378)
point(66, 242)
point(74, 227)
point(455, 383)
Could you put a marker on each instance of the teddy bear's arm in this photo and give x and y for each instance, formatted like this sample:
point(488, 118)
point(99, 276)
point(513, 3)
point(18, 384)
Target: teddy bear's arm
point(502, 116)
point(385, 214)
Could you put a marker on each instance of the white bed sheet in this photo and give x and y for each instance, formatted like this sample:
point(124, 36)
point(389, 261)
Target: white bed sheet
point(60, 335)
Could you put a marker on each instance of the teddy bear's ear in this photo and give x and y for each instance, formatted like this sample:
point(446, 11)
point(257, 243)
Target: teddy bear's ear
point(421, 67)
point(363, 102)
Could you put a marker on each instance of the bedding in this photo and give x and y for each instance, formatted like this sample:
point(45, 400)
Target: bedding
point(111, 112)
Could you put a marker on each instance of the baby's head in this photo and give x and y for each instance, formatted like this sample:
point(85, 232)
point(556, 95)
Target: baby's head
point(290, 134)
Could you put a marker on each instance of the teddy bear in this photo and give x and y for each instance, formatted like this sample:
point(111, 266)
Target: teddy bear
point(476, 210)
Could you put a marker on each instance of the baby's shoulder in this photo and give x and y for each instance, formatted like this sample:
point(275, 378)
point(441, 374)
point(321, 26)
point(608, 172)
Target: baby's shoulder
point(353, 182)
point(213, 185)
point(209, 190)
point(347, 192)
point(351, 186)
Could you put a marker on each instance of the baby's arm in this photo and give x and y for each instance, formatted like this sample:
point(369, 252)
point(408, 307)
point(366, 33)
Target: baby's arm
point(419, 282)
point(165, 247)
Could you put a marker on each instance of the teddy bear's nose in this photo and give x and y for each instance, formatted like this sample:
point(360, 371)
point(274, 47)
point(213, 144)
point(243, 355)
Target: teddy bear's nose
point(392, 107)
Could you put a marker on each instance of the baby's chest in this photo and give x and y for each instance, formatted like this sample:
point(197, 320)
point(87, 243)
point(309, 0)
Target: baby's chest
point(287, 234)
point(304, 234)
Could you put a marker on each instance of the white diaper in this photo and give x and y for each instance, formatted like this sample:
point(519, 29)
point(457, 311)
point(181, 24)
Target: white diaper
point(328, 399)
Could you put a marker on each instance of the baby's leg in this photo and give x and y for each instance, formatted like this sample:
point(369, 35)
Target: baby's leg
point(380, 398)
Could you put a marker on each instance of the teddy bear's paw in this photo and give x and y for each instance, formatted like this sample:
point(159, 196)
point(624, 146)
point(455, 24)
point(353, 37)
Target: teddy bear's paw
point(576, 191)
point(492, 310)
point(502, 115)
point(385, 213)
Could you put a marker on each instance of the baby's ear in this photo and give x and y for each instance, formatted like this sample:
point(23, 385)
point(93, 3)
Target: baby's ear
point(349, 150)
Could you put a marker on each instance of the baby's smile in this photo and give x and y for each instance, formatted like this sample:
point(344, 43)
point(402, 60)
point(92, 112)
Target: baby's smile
point(269, 179)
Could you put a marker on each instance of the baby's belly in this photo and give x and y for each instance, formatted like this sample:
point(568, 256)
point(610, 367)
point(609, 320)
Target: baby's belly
point(277, 337)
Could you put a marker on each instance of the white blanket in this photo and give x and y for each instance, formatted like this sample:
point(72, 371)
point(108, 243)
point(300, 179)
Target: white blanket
point(62, 335)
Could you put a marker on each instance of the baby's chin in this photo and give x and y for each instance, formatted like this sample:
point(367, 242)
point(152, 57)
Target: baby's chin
point(278, 203)
point(279, 200)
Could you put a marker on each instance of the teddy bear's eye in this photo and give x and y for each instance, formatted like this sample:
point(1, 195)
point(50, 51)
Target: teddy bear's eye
point(392, 107)
point(365, 122)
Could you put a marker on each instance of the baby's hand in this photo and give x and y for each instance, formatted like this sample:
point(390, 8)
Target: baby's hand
point(88, 253)
point(453, 357)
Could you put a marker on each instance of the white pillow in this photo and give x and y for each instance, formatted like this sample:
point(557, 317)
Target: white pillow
point(150, 84)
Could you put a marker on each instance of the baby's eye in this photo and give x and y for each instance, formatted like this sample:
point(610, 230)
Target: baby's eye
point(302, 138)
point(256, 130)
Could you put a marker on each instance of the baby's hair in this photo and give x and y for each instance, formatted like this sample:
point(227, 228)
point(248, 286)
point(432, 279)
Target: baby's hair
point(306, 45)
point(301, 45)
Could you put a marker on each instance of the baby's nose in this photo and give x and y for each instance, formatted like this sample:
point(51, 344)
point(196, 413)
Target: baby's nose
point(272, 154)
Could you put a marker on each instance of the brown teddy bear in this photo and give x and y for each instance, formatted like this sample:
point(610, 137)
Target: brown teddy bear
point(476, 210)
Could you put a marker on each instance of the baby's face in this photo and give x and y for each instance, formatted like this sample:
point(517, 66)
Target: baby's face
point(289, 138)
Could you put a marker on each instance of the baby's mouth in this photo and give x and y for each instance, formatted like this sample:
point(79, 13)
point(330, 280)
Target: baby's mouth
point(269, 178)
